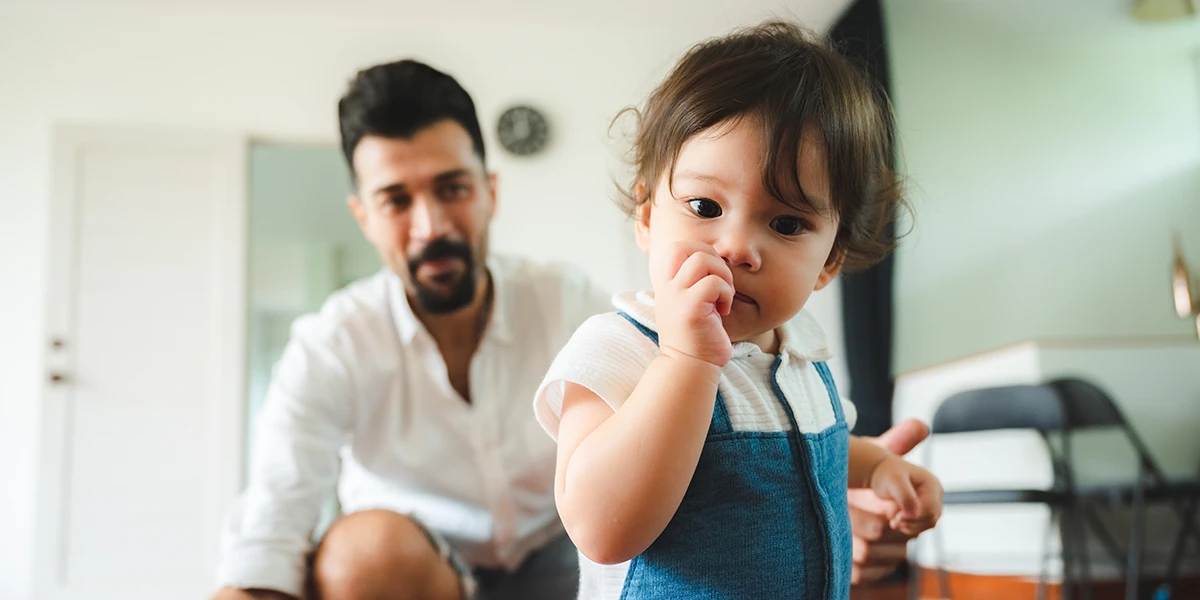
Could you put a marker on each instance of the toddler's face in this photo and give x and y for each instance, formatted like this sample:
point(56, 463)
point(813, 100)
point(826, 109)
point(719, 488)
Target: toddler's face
point(778, 255)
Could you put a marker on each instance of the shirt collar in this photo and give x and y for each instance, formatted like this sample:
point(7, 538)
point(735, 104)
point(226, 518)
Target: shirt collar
point(499, 322)
point(801, 337)
point(407, 323)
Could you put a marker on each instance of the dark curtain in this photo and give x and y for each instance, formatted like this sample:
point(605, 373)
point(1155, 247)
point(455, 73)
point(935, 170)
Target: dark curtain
point(867, 295)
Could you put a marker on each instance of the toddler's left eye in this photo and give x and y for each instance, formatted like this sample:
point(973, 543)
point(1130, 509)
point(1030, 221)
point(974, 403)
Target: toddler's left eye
point(787, 225)
point(705, 208)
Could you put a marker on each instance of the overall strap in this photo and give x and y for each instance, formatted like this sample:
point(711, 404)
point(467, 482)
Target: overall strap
point(827, 377)
point(720, 420)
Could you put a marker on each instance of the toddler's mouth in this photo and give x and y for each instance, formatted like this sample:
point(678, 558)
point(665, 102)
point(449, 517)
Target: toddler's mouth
point(740, 297)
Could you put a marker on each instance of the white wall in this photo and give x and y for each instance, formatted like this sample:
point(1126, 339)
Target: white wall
point(278, 75)
point(1052, 148)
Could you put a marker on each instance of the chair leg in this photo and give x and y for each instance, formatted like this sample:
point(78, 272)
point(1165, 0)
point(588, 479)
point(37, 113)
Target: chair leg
point(1111, 546)
point(1133, 574)
point(1186, 525)
point(938, 556)
point(1081, 552)
point(1075, 554)
point(916, 577)
point(1051, 528)
point(1067, 547)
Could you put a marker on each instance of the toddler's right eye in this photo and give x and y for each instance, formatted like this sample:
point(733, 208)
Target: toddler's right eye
point(705, 208)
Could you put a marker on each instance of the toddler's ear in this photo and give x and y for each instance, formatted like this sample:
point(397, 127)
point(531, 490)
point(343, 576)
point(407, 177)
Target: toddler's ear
point(641, 217)
point(833, 267)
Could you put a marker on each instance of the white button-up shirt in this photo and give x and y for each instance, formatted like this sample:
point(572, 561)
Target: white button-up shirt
point(361, 400)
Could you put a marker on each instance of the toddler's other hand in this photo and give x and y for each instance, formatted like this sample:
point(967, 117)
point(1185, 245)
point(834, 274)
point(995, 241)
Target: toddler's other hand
point(916, 492)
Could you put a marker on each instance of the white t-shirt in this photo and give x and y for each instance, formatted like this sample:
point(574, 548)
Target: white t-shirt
point(608, 355)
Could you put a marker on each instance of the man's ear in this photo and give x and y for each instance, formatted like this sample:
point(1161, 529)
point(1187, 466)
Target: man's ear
point(358, 211)
point(641, 217)
point(493, 185)
point(833, 266)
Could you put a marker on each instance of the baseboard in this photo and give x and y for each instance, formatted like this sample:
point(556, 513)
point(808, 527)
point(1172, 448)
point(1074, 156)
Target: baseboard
point(967, 586)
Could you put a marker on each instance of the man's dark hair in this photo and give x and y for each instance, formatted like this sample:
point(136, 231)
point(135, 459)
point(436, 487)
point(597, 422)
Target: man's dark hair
point(398, 99)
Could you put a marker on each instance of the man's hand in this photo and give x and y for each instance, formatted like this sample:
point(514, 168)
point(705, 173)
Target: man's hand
point(236, 594)
point(877, 547)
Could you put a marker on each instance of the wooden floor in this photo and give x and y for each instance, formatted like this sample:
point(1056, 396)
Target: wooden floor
point(992, 587)
point(887, 591)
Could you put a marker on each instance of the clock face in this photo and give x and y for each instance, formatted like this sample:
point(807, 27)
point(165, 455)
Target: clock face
point(523, 130)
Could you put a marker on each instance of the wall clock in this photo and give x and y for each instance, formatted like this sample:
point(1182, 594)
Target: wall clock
point(523, 130)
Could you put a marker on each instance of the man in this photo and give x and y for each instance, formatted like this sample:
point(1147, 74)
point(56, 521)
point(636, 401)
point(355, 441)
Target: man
point(410, 391)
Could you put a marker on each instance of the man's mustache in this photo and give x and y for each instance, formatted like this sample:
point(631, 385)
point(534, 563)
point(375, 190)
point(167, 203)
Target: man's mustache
point(440, 249)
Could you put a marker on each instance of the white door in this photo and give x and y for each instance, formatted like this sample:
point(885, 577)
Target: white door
point(141, 440)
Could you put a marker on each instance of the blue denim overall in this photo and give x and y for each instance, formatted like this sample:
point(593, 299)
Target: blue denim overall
point(765, 516)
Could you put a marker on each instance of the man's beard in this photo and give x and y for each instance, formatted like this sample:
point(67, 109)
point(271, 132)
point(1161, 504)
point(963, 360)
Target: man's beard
point(459, 293)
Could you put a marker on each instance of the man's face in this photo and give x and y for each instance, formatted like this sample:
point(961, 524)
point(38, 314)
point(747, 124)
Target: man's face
point(425, 204)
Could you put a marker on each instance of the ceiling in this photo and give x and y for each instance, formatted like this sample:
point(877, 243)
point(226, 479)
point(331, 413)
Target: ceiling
point(1059, 17)
point(816, 14)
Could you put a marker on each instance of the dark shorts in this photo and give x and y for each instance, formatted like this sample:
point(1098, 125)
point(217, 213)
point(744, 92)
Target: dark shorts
point(548, 573)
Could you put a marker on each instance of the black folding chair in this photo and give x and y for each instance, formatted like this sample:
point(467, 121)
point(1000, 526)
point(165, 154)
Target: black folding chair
point(1186, 530)
point(1018, 407)
point(1087, 407)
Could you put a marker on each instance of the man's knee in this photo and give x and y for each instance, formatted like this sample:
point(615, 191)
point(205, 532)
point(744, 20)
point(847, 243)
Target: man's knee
point(380, 555)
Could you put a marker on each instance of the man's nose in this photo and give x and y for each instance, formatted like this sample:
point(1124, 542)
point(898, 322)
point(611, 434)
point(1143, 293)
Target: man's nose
point(429, 220)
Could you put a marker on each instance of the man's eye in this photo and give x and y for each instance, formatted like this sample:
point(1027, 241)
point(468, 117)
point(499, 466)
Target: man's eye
point(455, 191)
point(705, 208)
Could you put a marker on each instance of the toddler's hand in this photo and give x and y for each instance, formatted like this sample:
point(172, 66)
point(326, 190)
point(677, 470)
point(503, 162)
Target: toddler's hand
point(916, 492)
point(693, 289)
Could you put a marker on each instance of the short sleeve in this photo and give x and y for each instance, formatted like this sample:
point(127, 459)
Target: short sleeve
point(850, 411)
point(606, 355)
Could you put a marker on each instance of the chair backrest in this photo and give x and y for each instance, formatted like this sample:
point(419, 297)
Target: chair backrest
point(1008, 407)
point(1088, 406)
